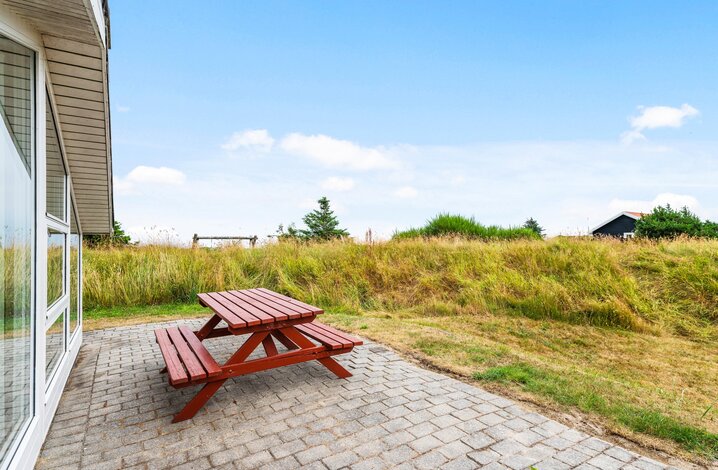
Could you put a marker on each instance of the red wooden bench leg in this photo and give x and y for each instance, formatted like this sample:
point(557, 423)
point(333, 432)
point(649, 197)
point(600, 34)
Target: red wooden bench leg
point(297, 337)
point(282, 338)
point(199, 400)
point(335, 367)
point(269, 347)
point(208, 327)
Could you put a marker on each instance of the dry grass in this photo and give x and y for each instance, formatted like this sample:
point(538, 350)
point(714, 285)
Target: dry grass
point(625, 333)
point(662, 288)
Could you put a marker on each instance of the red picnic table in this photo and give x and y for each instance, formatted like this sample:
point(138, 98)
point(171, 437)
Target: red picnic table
point(264, 315)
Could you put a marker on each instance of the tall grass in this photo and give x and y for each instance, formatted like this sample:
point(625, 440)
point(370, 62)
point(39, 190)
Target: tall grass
point(655, 287)
point(465, 227)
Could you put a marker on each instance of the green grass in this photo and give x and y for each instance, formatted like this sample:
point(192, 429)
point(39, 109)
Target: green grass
point(665, 287)
point(583, 394)
point(624, 333)
point(465, 227)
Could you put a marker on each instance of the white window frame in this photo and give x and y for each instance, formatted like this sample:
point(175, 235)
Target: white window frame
point(24, 451)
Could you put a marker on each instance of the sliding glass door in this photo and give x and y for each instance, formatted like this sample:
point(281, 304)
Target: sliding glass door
point(17, 209)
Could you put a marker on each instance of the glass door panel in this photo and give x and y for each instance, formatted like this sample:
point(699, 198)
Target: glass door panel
point(55, 265)
point(55, 345)
point(17, 209)
point(75, 273)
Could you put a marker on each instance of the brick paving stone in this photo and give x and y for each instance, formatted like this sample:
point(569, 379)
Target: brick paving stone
point(341, 460)
point(571, 456)
point(429, 461)
point(605, 462)
point(389, 415)
point(478, 441)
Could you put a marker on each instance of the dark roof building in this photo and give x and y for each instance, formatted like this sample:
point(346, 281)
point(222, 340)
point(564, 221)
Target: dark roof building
point(621, 225)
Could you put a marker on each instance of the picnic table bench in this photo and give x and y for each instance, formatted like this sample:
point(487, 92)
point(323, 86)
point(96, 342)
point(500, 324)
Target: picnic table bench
point(264, 315)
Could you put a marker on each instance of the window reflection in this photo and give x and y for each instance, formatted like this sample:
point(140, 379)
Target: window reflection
point(17, 206)
point(55, 176)
point(74, 272)
point(54, 345)
point(55, 266)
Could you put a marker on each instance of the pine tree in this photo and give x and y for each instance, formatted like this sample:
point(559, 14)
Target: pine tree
point(532, 224)
point(322, 224)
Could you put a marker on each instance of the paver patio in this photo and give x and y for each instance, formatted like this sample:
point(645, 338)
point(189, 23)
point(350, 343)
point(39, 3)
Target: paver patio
point(116, 412)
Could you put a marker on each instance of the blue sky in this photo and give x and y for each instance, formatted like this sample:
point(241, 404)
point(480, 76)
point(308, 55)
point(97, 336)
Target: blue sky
point(234, 117)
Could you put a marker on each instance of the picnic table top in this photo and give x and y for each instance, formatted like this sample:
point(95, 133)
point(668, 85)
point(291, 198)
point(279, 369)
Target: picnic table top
point(252, 307)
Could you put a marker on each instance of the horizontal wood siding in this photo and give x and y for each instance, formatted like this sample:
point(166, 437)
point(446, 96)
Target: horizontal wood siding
point(76, 62)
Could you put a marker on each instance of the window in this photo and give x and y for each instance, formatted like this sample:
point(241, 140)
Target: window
point(55, 265)
point(17, 220)
point(61, 302)
point(55, 345)
point(75, 271)
point(56, 176)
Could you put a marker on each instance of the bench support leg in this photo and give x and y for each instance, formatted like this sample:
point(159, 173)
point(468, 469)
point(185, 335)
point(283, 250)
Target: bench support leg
point(298, 338)
point(335, 367)
point(269, 347)
point(199, 400)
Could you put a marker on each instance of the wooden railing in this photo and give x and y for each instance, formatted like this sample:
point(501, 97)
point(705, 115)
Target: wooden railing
point(196, 238)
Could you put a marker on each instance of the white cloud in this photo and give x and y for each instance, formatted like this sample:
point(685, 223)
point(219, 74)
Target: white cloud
point(148, 175)
point(654, 117)
point(335, 183)
point(336, 153)
point(406, 192)
point(566, 186)
point(675, 200)
point(250, 139)
point(123, 109)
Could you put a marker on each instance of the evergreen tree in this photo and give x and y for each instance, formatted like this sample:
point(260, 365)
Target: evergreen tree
point(532, 224)
point(322, 224)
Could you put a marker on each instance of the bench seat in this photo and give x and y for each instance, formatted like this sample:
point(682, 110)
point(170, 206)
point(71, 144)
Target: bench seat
point(188, 361)
point(329, 337)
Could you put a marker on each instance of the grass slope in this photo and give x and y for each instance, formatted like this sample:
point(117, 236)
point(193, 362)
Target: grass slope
point(623, 332)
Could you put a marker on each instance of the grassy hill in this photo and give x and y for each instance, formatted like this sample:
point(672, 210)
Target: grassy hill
point(625, 333)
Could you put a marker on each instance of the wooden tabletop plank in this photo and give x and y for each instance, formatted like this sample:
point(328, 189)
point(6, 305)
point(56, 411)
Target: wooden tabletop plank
point(210, 365)
point(267, 307)
point(223, 312)
point(249, 306)
point(175, 370)
point(229, 302)
point(283, 304)
point(194, 367)
point(315, 310)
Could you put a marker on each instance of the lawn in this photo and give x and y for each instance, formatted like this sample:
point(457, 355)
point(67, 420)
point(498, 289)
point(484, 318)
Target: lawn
point(622, 335)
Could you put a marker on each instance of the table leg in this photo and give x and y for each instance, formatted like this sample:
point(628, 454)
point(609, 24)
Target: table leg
point(269, 347)
point(284, 340)
point(208, 327)
point(297, 337)
point(199, 400)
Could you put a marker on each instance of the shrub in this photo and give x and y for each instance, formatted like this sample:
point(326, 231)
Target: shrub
point(666, 222)
point(466, 227)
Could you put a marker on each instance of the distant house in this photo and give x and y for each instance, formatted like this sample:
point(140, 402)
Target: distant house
point(621, 225)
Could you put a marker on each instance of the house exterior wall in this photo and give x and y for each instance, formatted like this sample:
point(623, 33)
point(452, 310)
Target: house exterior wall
point(617, 227)
point(41, 298)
